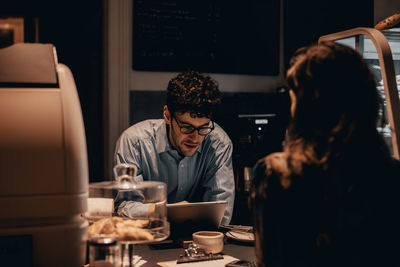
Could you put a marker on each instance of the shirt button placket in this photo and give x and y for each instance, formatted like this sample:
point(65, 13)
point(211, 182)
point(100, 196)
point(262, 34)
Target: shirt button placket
point(181, 178)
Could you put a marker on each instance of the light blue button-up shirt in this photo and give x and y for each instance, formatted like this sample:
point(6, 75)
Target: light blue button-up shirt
point(205, 176)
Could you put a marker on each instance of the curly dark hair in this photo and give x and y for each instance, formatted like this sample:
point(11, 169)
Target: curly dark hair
point(193, 92)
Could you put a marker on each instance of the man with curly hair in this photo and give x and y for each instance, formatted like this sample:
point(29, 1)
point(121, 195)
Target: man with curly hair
point(185, 149)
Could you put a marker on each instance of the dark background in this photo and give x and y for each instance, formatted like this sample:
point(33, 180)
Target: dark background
point(76, 28)
point(224, 36)
point(305, 21)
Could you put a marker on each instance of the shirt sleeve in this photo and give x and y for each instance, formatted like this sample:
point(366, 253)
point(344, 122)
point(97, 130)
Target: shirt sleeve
point(219, 183)
point(127, 151)
point(130, 204)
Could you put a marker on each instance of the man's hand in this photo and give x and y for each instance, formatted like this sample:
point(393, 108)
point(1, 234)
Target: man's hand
point(154, 209)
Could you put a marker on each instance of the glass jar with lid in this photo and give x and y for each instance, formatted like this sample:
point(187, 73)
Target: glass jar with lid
point(133, 211)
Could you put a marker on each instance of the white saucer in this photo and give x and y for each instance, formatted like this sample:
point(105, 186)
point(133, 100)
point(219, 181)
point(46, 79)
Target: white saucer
point(240, 236)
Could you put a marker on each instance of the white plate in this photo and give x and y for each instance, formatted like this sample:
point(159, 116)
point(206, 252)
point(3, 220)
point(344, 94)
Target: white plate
point(240, 236)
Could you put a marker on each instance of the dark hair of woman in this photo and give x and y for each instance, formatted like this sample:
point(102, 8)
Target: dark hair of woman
point(337, 104)
point(330, 198)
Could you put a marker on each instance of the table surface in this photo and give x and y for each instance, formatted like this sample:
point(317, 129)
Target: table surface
point(153, 254)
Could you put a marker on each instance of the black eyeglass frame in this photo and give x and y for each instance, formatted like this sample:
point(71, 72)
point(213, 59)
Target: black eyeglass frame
point(190, 128)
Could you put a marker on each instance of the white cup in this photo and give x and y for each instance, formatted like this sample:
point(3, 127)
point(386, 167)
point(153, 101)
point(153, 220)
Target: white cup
point(210, 241)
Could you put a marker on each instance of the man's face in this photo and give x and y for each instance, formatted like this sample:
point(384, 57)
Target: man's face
point(186, 144)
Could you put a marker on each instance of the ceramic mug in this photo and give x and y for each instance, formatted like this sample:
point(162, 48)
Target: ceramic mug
point(210, 241)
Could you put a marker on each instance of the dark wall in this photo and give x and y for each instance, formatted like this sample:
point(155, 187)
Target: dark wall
point(75, 28)
point(224, 36)
point(306, 21)
point(76, 31)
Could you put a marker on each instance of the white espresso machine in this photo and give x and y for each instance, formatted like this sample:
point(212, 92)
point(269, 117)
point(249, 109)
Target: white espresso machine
point(43, 160)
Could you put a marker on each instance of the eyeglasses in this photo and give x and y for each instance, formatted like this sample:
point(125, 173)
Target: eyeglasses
point(188, 129)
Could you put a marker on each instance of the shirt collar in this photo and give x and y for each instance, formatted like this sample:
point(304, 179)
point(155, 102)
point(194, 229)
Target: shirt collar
point(162, 142)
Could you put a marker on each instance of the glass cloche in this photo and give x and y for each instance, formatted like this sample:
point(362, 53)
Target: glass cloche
point(135, 212)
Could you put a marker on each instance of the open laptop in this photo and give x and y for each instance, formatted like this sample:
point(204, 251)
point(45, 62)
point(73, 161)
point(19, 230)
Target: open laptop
point(187, 218)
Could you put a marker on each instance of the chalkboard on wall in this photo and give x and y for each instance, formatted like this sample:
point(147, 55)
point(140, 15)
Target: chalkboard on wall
point(214, 36)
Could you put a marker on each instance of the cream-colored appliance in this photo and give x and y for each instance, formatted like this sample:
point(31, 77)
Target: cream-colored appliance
point(43, 160)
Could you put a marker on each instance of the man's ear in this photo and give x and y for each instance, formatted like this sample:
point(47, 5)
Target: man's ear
point(166, 115)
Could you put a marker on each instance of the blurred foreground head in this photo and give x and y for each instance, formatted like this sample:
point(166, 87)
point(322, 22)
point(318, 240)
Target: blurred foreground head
point(334, 100)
